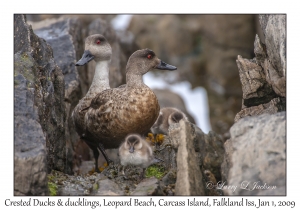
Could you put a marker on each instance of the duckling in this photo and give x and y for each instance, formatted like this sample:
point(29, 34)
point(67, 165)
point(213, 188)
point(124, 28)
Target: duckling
point(136, 151)
point(167, 116)
point(98, 49)
point(115, 113)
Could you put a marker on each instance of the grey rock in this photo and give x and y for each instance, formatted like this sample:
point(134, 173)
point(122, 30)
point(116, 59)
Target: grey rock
point(259, 155)
point(189, 176)
point(149, 186)
point(39, 113)
point(64, 36)
point(264, 78)
point(169, 178)
point(227, 163)
point(108, 187)
point(210, 150)
point(274, 29)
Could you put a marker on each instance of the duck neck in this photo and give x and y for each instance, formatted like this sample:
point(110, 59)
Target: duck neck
point(134, 80)
point(101, 78)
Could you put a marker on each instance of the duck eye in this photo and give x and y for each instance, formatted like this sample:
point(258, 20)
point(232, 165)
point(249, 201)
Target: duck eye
point(149, 56)
point(98, 41)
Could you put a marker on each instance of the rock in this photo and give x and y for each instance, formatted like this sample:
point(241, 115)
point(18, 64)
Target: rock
point(108, 187)
point(210, 150)
point(64, 36)
point(169, 178)
point(227, 163)
point(274, 106)
point(127, 42)
point(167, 98)
point(84, 19)
point(148, 186)
point(189, 176)
point(263, 78)
point(39, 112)
point(259, 155)
point(274, 29)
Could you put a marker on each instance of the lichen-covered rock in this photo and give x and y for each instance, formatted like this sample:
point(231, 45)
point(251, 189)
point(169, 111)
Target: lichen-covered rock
point(64, 36)
point(259, 155)
point(39, 112)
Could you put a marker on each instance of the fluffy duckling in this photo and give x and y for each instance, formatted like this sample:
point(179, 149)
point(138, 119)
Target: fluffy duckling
point(98, 49)
point(167, 116)
point(115, 113)
point(136, 151)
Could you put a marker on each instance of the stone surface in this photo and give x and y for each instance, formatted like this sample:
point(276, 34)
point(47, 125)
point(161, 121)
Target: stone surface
point(210, 150)
point(108, 187)
point(263, 78)
point(149, 186)
point(227, 163)
point(274, 29)
point(259, 155)
point(64, 36)
point(189, 176)
point(39, 113)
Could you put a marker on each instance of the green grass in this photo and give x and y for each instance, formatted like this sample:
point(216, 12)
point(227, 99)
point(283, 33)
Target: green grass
point(155, 170)
point(52, 188)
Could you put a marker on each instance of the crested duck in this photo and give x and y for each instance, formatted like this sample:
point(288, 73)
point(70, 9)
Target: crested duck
point(98, 49)
point(132, 108)
point(136, 151)
point(167, 116)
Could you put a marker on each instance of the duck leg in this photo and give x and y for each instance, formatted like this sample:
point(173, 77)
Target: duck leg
point(95, 152)
point(96, 155)
point(102, 149)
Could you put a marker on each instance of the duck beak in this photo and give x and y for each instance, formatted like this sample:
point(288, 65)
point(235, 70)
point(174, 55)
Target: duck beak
point(86, 57)
point(164, 66)
point(131, 149)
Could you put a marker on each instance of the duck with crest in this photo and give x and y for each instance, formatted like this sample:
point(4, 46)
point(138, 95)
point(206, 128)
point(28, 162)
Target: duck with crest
point(132, 108)
point(98, 49)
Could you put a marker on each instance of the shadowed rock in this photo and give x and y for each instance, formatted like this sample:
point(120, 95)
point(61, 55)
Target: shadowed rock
point(39, 112)
point(64, 37)
point(263, 78)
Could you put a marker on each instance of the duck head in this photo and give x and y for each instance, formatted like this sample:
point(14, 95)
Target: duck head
point(133, 142)
point(141, 61)
point(96, 48)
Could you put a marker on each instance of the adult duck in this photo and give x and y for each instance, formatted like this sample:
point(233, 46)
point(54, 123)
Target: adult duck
point(98, 49)
point(132, 108)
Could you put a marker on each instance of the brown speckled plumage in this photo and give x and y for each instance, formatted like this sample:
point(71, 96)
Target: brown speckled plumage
point(115, 113)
